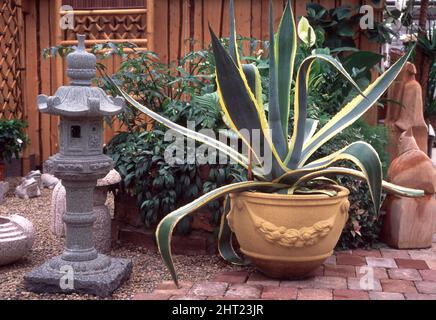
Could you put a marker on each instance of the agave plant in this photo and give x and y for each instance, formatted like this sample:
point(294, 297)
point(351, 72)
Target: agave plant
point(240, 96)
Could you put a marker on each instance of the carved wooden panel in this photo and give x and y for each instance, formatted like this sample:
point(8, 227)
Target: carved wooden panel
point(11, 101)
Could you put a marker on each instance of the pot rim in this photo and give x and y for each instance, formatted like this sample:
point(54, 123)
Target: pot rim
point(343, 192)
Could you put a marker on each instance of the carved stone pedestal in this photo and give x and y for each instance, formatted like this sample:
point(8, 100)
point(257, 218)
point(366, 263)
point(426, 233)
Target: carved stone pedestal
point(408, 224)
point(100, 276)
point(79, 164)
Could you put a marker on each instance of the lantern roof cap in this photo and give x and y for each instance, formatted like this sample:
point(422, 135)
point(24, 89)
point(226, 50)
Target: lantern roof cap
point(79, 99)
point(81, 64)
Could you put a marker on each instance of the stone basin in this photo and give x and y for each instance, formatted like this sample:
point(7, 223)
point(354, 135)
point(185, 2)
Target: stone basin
point(16, 238)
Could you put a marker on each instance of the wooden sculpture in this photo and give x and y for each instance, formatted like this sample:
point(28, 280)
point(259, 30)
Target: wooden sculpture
point(405, 110)
point(409, 222)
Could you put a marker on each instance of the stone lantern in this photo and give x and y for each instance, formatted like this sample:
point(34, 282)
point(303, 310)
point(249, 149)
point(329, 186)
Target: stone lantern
point(79, 165)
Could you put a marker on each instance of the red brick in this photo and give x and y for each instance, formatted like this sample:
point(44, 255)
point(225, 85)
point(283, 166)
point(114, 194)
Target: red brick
point(151, 296)
point(227, 298)
point(344, 294)
point(330, 282)
point(386, 296)
point(344, 252)
point(378, 273)
point(314, 294)
point(317, 282)
point(367, 253)
point(340, 271)
point(404, 274)
point(330, 260)
point(417, 296)
point(317, 272)
point(431, 264)
point(209, 289)
point(396, 254)
point(244, 291)
point(350, 260)
point(279, 293)
point(428, 275)
point(426, 286)
point(306, 283)
point(354, 284)
point(381, 262)
point(411, 264)
point(257, 278)
point(232, 277)
point(187, 298)
point(399, 286)
point(168, 287)
point(422, 254)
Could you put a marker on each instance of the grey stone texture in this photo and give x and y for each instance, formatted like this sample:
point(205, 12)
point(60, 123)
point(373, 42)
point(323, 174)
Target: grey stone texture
point(16, 238)
point(102, 226)
point(4, 188)
point(79, 164)
point(100, 277)
point(49, 181)
point(29, 188)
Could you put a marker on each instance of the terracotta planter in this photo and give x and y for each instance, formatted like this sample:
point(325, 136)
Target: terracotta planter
point(2, 171)
point(16, 238)
point(288, 236)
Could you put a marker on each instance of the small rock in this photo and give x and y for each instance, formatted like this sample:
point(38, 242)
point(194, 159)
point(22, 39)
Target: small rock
point(49, 181)
point(29, 188)
point(4, 188)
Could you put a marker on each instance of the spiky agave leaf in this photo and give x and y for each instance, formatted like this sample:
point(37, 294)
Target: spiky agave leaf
point(353, 110)
point(337, 171)
point(300, 104)
point(359, 153)
point(166, 226)
point(279, 140)
point(240, 105)
point(285, 54)
point(225, 238)
point(224, 148)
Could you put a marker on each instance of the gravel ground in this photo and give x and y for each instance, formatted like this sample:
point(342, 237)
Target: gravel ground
point(148, 268)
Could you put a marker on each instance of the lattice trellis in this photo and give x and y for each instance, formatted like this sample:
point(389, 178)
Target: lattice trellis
point(104, 25)
point(11, 101)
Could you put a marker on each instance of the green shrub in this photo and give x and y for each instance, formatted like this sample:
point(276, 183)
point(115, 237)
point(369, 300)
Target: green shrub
point(13, 138)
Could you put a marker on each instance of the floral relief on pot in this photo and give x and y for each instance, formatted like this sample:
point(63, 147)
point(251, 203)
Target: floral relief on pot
point(288, 236)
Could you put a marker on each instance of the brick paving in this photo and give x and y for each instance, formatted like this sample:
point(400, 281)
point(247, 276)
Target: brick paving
point(395, 274)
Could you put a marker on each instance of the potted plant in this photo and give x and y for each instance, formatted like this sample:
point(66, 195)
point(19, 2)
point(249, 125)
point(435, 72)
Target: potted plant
point(288, 219)
point(12, 141)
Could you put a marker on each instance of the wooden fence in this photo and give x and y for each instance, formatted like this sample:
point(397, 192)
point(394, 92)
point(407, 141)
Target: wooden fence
point(171, 28)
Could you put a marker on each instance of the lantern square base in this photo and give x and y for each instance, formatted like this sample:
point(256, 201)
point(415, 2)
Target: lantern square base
point(80, 278)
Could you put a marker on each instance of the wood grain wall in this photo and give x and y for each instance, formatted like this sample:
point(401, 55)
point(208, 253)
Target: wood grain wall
point(174, 27)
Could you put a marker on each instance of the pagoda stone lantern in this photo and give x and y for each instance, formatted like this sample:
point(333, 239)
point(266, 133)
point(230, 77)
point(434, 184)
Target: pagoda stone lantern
point(79, 165)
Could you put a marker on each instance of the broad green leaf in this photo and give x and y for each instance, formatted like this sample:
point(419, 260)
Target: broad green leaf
point(310, 129)
point(254, 81)
point(240, 105)
point(306, 32)
point(225, 238)
point(285, 51)
point(233, 46)
point(279, 139)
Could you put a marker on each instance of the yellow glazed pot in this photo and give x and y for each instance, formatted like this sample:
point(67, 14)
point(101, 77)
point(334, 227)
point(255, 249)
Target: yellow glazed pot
point(288, 236)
